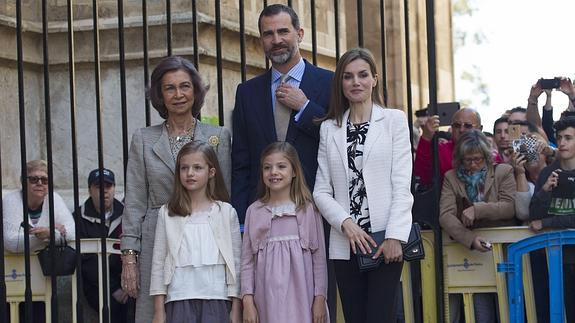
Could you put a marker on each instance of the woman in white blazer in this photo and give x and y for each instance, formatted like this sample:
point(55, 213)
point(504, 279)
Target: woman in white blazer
point(363, 186)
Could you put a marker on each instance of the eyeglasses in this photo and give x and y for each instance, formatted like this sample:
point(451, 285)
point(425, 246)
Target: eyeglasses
point(476, 160)
point(36, 179)
point(465, 125)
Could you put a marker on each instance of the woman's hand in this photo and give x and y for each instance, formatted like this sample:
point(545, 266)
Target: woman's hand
point(479, 244)
point(318, 310)
point(236, 312)
point(130, 275)
point(536, 225)
point(250, 311)
point(61, 228)
point(357, 236)
point(552, 181)
point(468, 216)
point(42, 233)
point(518, 163)
point(391, 249)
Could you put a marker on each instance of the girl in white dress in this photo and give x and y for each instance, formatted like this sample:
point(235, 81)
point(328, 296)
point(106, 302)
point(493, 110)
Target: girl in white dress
point(195, 262)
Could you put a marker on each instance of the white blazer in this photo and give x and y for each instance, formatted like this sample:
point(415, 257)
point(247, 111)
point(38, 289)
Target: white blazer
point(169, 235)
point(387, 166)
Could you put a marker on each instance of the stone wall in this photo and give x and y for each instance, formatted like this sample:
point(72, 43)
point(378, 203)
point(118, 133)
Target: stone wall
point(182, 45)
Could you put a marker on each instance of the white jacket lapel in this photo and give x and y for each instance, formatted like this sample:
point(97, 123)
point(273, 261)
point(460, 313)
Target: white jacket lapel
point(375, 130)
point(340, 139)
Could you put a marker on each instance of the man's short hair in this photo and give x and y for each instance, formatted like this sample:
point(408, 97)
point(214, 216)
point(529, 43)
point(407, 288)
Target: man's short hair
point(564, 123)
point(498, 121)
point(518, 109)
point(276, 9)
point(488, 134)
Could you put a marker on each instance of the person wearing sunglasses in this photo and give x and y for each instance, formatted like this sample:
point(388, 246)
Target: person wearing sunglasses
point(476, 194)
point(463, 121)
point(38, 213)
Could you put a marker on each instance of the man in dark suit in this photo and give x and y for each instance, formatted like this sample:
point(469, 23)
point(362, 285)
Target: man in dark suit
point(279, 105)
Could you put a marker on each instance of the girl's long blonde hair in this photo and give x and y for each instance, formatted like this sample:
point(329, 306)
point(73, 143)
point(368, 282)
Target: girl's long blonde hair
point(299, 193)
point(180, 203)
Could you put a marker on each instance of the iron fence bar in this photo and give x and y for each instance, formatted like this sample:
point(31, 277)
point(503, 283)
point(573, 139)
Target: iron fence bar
point(105, 312)
point(383, 50)
point(359, 10)
point(408, 69)
point(195, 35)
point(432, 77)
point(336, 19)
point(313, 32)
point(146, 60)
point(23, 158)
point(169, 26)
point(267, 60)
point(242, 41)
point(48, 125)
point(219, 64)
point(73, 135)
point(124, 105)
point(3, 310)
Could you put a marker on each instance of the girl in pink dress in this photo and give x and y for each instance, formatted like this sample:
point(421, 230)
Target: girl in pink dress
point(283, 263)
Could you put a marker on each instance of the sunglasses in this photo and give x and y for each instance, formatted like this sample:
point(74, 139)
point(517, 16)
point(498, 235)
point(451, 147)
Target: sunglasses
point(36, 179)
point(465, 125)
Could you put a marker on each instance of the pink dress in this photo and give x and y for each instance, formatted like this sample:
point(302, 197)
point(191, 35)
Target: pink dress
point(283, 276)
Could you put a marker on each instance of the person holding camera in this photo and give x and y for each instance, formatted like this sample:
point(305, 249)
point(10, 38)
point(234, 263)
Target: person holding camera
point(476, 193)
point(562, 84)
point(553, 203)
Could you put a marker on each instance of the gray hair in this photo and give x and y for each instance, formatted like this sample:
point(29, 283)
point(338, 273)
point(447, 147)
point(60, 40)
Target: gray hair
point(470, 142)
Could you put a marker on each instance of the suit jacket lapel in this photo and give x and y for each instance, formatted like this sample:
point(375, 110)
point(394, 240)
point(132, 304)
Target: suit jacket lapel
point(308, 83)
point(162, 150)
point(264, 107)
point(375, 130)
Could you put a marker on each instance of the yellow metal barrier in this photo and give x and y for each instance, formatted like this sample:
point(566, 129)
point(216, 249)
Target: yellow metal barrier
point(468, 272)
point(41, 285)
point(16, 284)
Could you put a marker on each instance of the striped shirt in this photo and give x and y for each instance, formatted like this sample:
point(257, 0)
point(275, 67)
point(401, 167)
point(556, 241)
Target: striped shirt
point(296, 75)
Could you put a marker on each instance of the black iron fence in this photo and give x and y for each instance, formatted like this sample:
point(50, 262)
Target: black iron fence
point(76, 132)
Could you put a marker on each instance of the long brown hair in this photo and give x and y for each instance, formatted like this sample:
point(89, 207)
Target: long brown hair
point(180, 203)
point(299, 193)
point(338, 102)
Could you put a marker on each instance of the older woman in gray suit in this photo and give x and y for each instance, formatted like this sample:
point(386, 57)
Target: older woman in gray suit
point(177, 92)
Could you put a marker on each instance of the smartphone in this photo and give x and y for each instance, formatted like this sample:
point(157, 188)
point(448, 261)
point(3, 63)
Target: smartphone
point(514, 132)
point(547, 84)
point(486, 245)
point(445, 111)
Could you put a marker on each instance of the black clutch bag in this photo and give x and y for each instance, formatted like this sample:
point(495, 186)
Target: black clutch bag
point(412, 250)
point(64, 260)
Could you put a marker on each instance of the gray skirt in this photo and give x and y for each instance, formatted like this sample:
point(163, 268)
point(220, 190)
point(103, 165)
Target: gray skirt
point(198, 311)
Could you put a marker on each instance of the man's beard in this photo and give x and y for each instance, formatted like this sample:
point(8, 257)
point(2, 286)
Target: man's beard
point(281, 58)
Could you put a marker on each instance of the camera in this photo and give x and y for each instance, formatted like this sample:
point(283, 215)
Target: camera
point(547, 84)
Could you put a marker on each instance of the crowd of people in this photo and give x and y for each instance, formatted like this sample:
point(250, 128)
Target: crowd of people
point(317, 166)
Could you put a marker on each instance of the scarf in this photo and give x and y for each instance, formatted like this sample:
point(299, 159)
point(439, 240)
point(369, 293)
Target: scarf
point(474, 182)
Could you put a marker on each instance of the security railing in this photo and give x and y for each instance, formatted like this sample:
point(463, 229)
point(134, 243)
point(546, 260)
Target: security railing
point(75, 131)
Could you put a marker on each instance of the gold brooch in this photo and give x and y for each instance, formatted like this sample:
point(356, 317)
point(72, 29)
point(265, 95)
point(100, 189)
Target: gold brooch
point(214, 141)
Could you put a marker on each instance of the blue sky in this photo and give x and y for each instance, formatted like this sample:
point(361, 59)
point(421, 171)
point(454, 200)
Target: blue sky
point(524, 41)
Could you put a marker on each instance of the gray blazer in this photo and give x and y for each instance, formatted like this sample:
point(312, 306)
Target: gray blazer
point(149, 184)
